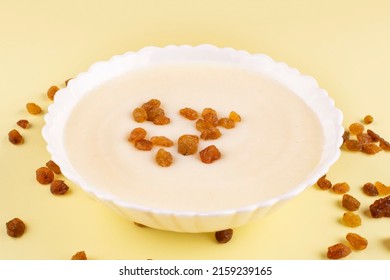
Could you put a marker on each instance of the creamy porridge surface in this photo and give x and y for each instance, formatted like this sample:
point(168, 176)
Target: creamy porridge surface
point(275, 146)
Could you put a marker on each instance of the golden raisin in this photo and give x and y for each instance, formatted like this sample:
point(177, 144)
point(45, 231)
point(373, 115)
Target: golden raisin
point(384, 144)
point(143, 144)
point(364, 138)
point(374, 136)
point(224, 236)
point(357, 242)
point(380, 208)
point(211, 118)
point(370, 189)
point(201, 125)
point(51, 92)
point(356, 128)
point(210, 133)
point(371, 148)
point(163, 158)
point(33, 108)
point(187, 144)
point(23, 123)
point(152, 103)
point(58, 187)
point(350, 203)
point(189, 113)
point(161, 120)
point(137, 134)
point(234, 116)
point(154, 113)
point(140, 115)
point(15, 227)
point(338, 251)
point(351, 219)
point(340, 188)
point(226, 123)
point(353, 145)
point(210, 154)
point(44, 175)
point(323, 183)
point(53, 167)
point(208, 111)
point(382, 188)
point(368, 119)
point(346, 136)
point(15, 137)
point(79, 256)
point(161, 141)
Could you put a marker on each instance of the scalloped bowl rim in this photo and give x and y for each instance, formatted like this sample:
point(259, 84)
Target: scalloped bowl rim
point(182, 221)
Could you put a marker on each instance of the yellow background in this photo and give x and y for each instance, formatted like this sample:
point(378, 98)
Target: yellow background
point(345, 45)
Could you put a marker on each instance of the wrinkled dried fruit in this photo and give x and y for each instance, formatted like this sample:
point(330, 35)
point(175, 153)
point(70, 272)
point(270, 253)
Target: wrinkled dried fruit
point(211, 118)
point(202, 125)
point(375, 137)
point(350, 203)
point(161, 120)
point(382, 188)
point(15, 137)
point(154, 113)
point(224, 236)
point(210, 154)
point(163, 158)
point(384, 144)
point(44, 175)
point(353, 145)
point(152, 103)
point(23, 123)
point(140, 115)
point(340, 188)
point(364, 138)
point(187, 144)
point(33, 108)
point(137, 134)
point(234, 116)
point(53, 167)
point(370, 189)
point(380, 208)
point(368, 119)
point(356, 128)
point(210, 133)
point(143, 144)
point(346, 136)
point(208, 111)
point(58, 187)
point(357, 242)
point(79, 256)
point(51, 92)
point(226, 123)
point(338, 251)
point(189, 113)
point(161, 141)
point(323, 183)
point(15, 227)
point(351, 219)
point(371, 148)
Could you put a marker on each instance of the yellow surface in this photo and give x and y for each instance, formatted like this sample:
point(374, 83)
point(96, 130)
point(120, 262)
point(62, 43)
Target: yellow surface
point(343, 44)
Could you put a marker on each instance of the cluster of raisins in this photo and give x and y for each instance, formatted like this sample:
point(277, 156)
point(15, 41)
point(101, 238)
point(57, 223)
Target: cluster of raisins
point(379, 208)
point(357, 138)
point(187, 144)
point(44, 175)
point(368, 142)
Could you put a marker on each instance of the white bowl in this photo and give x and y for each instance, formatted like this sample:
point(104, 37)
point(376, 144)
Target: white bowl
point(305, 87)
